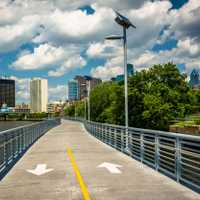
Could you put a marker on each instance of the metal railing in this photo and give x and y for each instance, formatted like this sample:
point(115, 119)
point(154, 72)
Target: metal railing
point(175, 155)
point(14, 142)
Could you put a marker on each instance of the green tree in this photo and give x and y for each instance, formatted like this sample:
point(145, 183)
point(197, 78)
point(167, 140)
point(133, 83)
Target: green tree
point(156, 97)
point(100, 101)
point(80, 109)
point(70, 110)
point(160, 95)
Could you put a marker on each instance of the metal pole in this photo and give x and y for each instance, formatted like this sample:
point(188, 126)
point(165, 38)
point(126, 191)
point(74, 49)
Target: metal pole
point(89, 100)
point(125, 85)
point(75, 111)
point(85, 103)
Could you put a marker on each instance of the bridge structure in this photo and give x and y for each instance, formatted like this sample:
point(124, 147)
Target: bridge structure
point(76, 160)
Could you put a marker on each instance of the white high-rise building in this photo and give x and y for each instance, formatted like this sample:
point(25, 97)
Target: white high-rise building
point(39, 95)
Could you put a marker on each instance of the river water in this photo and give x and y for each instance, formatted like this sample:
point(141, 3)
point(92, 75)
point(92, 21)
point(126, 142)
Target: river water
point(5, 125)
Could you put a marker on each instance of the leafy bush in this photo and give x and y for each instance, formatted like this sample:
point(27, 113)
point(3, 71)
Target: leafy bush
point(197, 122)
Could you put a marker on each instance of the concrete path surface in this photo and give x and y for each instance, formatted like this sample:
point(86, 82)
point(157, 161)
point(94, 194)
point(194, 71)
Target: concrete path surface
point(68, 163)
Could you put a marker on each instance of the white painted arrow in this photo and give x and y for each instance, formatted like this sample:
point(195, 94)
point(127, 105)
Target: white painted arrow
point(40, 170)
point(111, 167)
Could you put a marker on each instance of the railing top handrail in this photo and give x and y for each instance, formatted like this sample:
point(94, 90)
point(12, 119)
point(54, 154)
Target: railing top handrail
point(24, 126)
point(155, 132)
point(167, 133)
point(149, 131)
point(111, 125)
point(16, 128)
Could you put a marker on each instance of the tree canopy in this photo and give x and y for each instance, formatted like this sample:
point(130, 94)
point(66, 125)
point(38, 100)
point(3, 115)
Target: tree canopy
point(156, 97)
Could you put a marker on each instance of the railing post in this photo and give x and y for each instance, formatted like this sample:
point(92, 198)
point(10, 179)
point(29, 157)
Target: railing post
point(110, 136)
point(178, 159)
point(157, 153)
point(130, 143)
point(100, 132)
point(122, 132)
point(5, 149)
point(103, 132)
point(141, 147)
point(115, 138)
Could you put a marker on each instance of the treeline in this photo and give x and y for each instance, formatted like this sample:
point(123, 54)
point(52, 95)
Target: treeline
point(156, 96)
point(26, 116)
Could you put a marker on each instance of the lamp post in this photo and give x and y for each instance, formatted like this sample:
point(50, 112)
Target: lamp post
point(87, 100)
point(75, 110)
point(125, 23)
point(88, 90)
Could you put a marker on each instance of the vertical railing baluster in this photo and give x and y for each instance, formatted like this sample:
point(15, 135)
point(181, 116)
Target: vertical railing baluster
point(110, 136)
point(123, 139)
point(6, 149)
point(115, 138)
point(142, 147)
point(157, 152)
point(178, 159)
point(5, 153)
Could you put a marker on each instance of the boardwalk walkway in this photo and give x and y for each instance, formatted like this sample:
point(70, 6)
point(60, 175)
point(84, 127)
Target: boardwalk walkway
point(67, 157)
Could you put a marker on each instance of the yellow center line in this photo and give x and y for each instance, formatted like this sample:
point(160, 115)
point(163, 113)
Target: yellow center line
point(83, 186)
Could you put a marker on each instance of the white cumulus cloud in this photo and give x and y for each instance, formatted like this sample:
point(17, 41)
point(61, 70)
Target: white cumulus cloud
point(42, 56)
point(22, 89)
point(58, 59)
point(58, 92)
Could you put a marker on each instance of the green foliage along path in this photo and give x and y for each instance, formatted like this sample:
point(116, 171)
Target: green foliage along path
point(156, 97)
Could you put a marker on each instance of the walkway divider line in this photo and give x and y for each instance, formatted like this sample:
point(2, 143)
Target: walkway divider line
point(80, 180)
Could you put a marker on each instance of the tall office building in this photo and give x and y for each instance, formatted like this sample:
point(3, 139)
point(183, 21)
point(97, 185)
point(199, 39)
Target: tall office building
point(7, 92)
point(92, 82)
point(39, 95)
point(73, 90)
point(82, 86)
point(85, 83)
point(194, 78)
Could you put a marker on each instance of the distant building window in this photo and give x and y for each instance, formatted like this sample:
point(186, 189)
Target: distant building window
point(73, 90)
point(7, 92)
point(194, 78)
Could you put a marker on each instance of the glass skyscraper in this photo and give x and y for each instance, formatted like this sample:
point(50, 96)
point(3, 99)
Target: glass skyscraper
point(73, 90)
point(7, 92)
point(194, 78)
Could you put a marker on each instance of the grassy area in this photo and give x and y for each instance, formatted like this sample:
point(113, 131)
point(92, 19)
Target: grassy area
point(188, 121)
point(185, 123)
point(188, 125)
point(194, 117)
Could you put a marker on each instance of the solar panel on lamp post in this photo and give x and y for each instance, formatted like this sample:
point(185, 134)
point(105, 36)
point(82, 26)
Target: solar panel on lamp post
point(125, 23)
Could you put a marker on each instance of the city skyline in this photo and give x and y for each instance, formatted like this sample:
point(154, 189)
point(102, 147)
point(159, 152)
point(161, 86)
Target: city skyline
point(35, 49)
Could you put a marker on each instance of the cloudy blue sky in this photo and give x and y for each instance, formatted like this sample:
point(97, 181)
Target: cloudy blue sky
point(58, 39)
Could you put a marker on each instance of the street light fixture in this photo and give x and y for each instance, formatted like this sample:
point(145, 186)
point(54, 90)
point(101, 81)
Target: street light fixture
point(114, 37)
point(125, 23)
